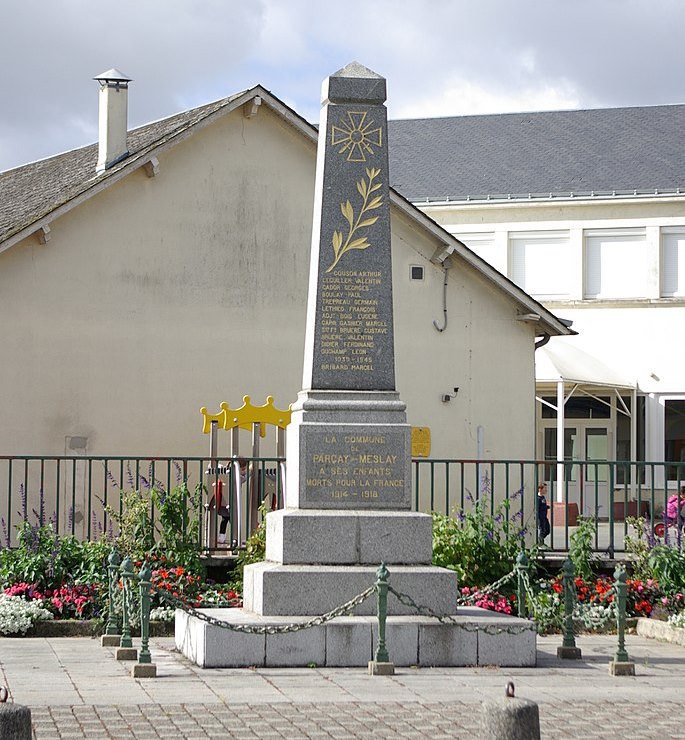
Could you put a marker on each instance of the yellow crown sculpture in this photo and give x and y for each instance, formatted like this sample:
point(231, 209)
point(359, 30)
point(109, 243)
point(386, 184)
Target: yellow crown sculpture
point(247, 415)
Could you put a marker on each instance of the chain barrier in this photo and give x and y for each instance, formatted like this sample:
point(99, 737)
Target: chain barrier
point(339, 611)
point(447, 619)
point(479, 593)
point(587, 614)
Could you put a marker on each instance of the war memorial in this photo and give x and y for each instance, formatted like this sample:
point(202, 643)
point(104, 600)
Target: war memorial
point(348, 484)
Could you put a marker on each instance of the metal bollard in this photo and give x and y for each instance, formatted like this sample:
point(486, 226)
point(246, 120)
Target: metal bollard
point(381, 665)
point(144, 668)
point(112, 638)
point(621, 665)
point(522, 573)
point(126, 651)
point(568, 648)
point(510, 718)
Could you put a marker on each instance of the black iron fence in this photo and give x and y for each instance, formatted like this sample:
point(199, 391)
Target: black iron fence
point(86, 496)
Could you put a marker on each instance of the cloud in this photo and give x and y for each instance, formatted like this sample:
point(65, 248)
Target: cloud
point(461, 97)
point(441, 57)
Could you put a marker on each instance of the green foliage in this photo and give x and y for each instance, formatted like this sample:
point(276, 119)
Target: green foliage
point(173, 531)
point(667, 566)
point(654, 559)
point(638, 547)
point(581, 552)
point(179, 526)
point(44, 558)
point(479, 546)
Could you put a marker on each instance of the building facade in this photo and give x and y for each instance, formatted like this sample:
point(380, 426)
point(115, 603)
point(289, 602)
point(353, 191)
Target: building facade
point(584, 211)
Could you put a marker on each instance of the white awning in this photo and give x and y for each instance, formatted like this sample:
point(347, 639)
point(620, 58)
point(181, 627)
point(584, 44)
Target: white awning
point(560, 360)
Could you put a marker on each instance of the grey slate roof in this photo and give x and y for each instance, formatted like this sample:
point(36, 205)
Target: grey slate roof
point(31, 191)
point(616, 149)
point(562, 152)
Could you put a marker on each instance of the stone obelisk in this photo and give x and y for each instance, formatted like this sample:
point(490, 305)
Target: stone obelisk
point(348, 479)
point(349, 424)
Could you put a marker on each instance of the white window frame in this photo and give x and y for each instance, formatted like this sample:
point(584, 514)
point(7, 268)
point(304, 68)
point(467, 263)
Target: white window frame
point(672, 266)
point(560, 284)
point(593, 268)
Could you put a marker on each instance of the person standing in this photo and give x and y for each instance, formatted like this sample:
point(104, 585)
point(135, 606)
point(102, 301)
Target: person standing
point(543, 510)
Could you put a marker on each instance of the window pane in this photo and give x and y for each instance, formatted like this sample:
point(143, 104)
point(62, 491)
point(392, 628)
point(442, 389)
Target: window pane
point(675, 439)
point(673, 264)
point(616, 266)
point(541, 265)
point(596, 448)
point(623, 441)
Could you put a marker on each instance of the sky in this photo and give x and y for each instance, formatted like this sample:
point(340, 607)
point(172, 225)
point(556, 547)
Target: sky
point(440, 57)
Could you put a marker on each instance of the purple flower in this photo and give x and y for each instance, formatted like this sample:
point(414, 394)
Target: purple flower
point(129, 476)
point(145, 482)
point(179, 472)
point(461, 516)
point(517, 494)
point(24, 513)
point(5, 533)
point(111, 478)
point(517, 515)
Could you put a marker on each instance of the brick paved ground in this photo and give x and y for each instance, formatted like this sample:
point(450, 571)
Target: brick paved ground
point(350, 720)
point(76, 689)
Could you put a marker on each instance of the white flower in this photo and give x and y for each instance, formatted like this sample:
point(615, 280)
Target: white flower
point(677, 620)
point(163, 614)
point(17, 615)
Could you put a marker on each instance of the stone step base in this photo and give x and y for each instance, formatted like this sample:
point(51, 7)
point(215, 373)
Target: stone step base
point(272, 589)
point(305, 536)
point(479, 638)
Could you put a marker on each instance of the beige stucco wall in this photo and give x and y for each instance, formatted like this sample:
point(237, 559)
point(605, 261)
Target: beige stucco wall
point(160, 295)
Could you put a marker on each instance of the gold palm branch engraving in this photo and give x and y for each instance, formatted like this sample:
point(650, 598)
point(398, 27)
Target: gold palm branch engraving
point(355, 223)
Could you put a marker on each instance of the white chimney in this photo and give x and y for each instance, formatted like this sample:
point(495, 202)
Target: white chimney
point(113, 118)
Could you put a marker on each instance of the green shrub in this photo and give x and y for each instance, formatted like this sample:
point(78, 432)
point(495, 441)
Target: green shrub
point(49, 560)
point(581, 552)
point(480, 546)
point(172, 532)
point(655, 559)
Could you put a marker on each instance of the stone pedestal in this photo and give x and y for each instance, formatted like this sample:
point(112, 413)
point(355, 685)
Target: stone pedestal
point(477, 637)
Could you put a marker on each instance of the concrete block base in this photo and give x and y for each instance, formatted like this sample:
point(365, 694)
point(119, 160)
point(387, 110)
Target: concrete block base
point(377, 668)
point(476, 637)
point(621, 668)
point(305, 536)
point(124, 653)
point(272, 589)
point(110, 640)
point(569, 653)
point(144, 670)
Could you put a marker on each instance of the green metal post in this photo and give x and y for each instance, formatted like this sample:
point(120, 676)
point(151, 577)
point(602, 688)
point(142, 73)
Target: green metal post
point(382, 575)
point(522, 573)
point(144, 584)
point(621, 592)
point(568, 649)
point(113, 563)
point(126, 576)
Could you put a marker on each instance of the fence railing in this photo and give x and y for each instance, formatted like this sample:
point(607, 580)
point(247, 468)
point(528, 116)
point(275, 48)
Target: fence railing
point(82, 496)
